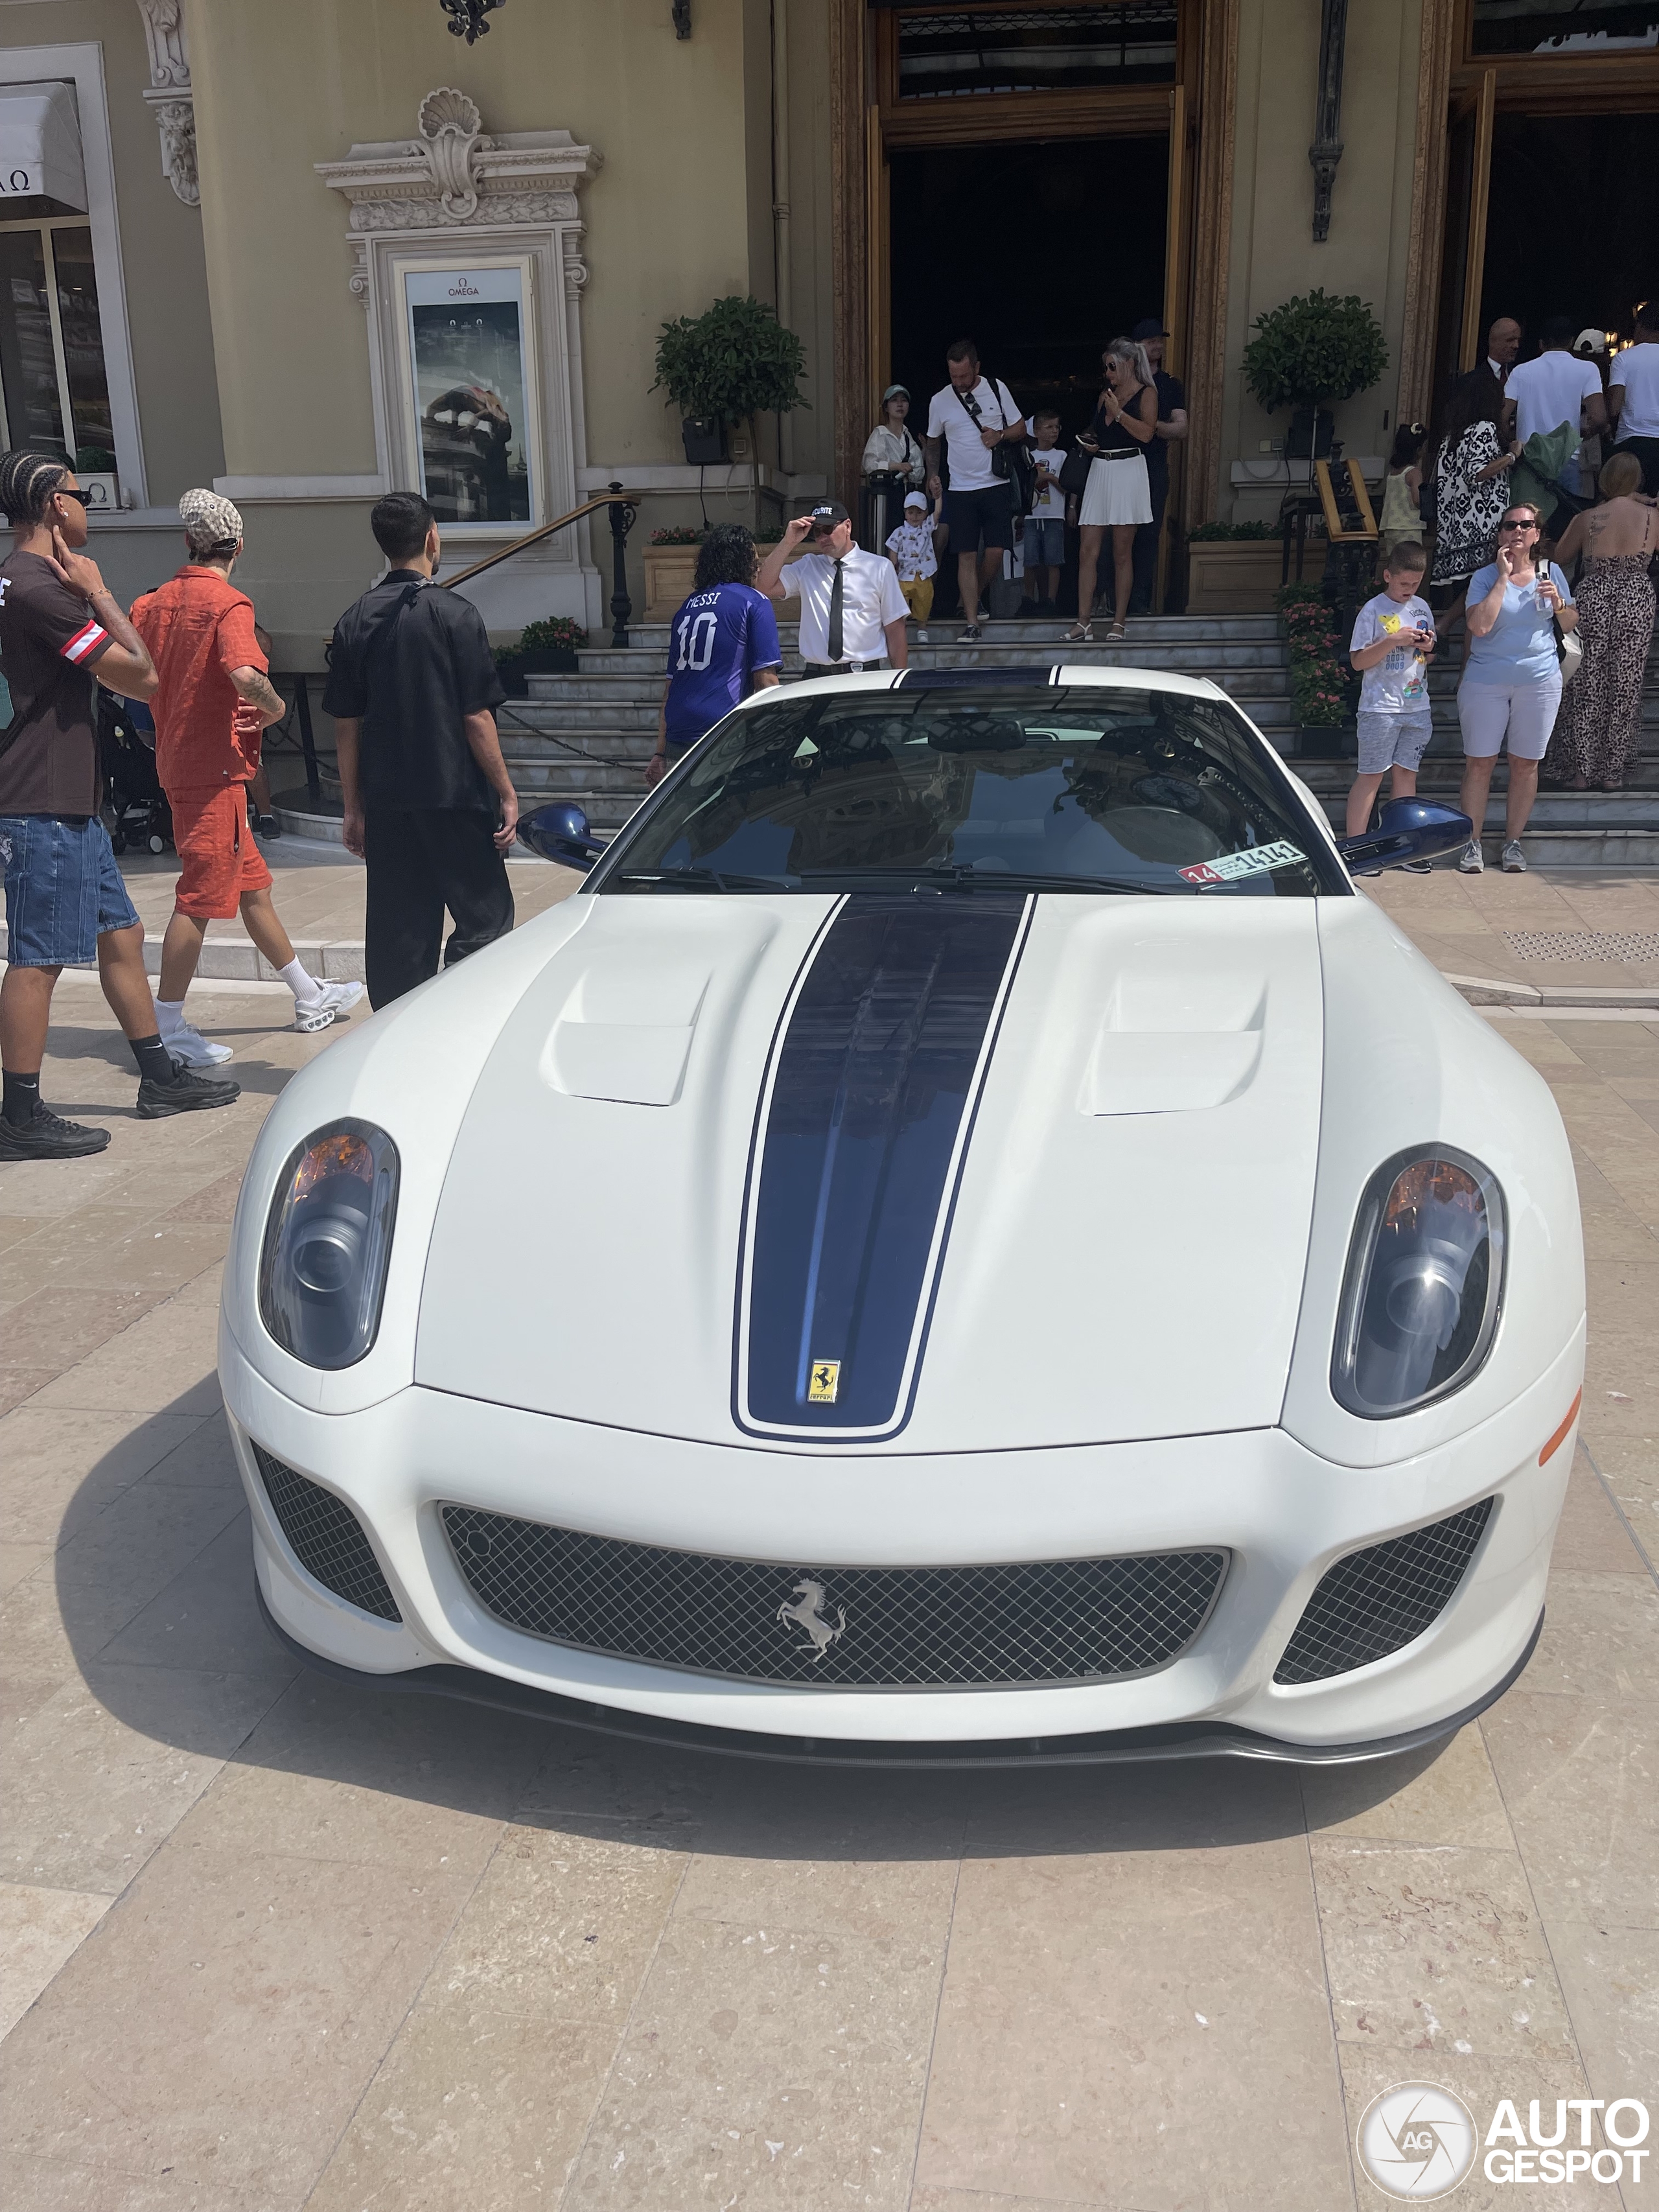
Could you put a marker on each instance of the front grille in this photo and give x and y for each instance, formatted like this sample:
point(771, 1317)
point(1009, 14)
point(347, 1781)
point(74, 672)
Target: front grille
point(1058, 1620)
point(1376, 1601)
point(327, 1538)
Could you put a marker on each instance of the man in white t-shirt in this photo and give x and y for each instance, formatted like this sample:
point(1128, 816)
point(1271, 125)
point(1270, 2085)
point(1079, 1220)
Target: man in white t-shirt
point(1633, 396)
point(972, 415)
point(852, 610)
point(1543, 394)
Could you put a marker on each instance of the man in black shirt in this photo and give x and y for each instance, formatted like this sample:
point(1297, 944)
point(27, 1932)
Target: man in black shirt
point(1171, 429)
point(429, 804)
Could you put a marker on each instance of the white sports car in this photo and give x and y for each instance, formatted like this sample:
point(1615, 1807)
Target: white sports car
point(966, 1239)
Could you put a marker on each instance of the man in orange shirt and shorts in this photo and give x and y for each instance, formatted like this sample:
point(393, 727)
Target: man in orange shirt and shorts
point(213, 704)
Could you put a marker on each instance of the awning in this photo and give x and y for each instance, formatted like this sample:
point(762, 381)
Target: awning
point(40, 145)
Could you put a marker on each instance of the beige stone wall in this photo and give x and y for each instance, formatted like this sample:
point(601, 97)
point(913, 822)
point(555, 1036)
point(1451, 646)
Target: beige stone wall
point(1274, 253)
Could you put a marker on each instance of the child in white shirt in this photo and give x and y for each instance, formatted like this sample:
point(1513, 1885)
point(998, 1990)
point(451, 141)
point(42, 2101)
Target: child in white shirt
point(1043, 541)
point(910, 549)
point(1393, 637)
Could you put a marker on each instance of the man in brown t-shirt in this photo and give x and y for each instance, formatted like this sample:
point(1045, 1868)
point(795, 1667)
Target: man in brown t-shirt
point(66, 905)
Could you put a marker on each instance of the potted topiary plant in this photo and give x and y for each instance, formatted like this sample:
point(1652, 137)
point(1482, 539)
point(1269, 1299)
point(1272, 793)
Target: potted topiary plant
point(1314, 349)
point(544, 648)
point(733, 361)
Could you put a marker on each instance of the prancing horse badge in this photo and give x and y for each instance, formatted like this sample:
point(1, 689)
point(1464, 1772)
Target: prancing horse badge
point(822, 1381)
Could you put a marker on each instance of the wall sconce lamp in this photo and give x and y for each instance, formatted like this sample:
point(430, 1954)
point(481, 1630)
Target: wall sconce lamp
point(682, 12)
point(467, 17)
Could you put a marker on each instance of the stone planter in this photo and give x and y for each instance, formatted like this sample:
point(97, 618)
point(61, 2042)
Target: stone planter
point(670, 571)
point(541, 660)
point(1240, 576)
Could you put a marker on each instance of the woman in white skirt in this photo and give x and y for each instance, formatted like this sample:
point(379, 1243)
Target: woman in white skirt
point(1118, 495)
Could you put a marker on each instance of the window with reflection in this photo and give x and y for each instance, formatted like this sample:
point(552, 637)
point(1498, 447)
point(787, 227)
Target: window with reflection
point(1564, 27)
point(959, 53)
point(54, 393)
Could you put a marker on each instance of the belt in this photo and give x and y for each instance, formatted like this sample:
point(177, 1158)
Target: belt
point(844, 667)
point(1128, 453)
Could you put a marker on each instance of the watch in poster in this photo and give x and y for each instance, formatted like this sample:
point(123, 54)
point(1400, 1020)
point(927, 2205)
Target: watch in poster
point(466, 339)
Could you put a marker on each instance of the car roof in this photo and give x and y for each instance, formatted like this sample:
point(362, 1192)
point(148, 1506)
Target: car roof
point(1036, 674)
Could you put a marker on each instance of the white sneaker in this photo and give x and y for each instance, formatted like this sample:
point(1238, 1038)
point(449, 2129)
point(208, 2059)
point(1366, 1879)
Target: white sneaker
point(1515, 861)
point(332, 999)
point(195, 1050)
point(922, 637)
point(1470, 860)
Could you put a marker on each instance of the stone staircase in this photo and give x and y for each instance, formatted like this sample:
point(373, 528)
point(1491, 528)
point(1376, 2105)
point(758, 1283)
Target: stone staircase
point(586, 737)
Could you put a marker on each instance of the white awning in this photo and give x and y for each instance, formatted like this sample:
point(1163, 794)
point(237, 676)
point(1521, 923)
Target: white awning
point(40, 145)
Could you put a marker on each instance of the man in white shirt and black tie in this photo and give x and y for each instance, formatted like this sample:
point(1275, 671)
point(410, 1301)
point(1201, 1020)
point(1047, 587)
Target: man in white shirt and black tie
point(852, 610)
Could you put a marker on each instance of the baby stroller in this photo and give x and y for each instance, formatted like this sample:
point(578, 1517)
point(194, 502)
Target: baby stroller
point(126, 748)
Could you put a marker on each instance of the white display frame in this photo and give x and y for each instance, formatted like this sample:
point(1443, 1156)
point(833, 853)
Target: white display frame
point(401, 268)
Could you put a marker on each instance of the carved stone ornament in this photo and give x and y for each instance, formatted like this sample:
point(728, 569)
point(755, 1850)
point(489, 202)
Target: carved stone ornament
point(453, 175)
point(170, 95)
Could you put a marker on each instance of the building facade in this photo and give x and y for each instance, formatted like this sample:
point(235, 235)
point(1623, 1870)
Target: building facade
point(312, 251)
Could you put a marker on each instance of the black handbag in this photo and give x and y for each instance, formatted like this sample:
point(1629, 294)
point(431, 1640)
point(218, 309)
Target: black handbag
point(1010, 464)
point(1074, 472)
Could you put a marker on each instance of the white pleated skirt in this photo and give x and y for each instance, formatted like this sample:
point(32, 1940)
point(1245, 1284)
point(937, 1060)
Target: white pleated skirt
point(1117, 491)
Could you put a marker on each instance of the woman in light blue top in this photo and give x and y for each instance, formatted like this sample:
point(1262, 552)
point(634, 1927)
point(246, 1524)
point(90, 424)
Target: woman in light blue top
point(1511, 684)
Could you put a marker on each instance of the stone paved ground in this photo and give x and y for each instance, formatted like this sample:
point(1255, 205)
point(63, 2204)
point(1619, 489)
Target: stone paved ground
point(272, 1942)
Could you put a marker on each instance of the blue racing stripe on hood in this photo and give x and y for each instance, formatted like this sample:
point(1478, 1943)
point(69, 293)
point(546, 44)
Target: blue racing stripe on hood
point(872, 1089)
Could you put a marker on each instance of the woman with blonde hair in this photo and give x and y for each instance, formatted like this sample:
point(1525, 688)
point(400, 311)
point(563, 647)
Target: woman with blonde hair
point(1597, 733)
point(1118, 495)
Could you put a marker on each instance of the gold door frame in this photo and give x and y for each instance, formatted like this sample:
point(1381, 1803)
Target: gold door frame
point(1197, 112)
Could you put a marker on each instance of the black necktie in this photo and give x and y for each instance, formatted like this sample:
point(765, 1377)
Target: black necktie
point(835, 615)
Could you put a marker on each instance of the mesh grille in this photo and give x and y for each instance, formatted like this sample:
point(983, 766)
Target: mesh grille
point(1063, 1620)
point(1376, 1601)
point(327, 1538)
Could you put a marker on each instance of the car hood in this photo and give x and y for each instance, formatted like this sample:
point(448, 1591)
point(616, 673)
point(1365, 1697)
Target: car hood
point(961, 1173)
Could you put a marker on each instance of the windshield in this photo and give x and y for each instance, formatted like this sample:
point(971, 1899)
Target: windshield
point(1083, 787)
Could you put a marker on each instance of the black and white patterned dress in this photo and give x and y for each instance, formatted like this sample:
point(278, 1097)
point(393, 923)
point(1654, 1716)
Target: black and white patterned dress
point(1466, 511)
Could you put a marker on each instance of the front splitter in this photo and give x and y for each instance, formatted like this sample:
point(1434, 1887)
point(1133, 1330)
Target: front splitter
point(1106, 1747)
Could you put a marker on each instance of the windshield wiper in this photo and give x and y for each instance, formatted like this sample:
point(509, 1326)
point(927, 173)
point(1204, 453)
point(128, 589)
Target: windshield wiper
point(723, 879)
point(962, 875)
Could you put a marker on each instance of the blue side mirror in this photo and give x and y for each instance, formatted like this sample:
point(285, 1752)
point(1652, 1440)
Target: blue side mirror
point(1407, 829)
point(560, 832)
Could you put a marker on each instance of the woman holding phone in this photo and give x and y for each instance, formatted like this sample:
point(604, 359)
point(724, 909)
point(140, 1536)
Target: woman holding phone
point(1118, 495)
point(1511, 687)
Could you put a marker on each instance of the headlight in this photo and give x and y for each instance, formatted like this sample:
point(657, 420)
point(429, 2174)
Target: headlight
point(1426, 1273)
point(322, 1272)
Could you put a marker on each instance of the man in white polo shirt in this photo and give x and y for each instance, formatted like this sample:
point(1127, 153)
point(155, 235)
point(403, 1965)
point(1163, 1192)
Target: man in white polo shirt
point(1633, 395)
point(972, 415)
point(852, 610)
point(1543, 394)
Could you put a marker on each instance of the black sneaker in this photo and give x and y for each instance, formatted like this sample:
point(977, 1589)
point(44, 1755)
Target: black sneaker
point(189, 1092)
point(266, 825)
point(49, 1137)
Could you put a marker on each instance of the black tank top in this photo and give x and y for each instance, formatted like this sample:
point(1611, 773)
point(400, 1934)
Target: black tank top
point(1112, 437)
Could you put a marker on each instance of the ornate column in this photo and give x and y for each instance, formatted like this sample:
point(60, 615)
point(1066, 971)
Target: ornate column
point(1425, 239)
point(1327, 148)
point(170, 98)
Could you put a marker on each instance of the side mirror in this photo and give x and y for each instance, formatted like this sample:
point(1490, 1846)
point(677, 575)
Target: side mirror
point(560, 832)
point(1407, 829)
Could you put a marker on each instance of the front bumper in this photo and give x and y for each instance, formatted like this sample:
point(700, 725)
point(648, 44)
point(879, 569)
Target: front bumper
point(1284, 1513)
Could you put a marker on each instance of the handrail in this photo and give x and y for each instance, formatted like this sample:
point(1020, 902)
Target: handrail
point(624, 506)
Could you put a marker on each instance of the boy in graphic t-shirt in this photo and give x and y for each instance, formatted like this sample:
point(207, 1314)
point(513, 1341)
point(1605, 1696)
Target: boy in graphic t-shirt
point(910, 549)
point(1043, 539)
point(1393, 638)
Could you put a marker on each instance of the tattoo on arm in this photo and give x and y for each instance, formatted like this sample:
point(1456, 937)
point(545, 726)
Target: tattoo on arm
point(259, 691)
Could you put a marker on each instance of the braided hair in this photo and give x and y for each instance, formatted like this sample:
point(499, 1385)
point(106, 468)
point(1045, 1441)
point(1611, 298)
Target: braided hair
point(27, 481)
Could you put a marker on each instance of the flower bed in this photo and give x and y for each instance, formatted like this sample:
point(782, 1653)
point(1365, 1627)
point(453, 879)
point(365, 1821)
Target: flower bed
point(1323, 685)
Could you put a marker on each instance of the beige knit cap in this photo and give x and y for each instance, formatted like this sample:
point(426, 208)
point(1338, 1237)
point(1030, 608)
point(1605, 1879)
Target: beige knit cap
point(209, 519)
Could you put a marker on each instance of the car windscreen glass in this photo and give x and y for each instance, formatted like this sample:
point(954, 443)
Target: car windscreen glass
point(1083, 787)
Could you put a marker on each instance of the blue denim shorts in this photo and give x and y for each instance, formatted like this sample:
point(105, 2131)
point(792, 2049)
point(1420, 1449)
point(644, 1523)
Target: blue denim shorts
point(1043, 546)
point(63, 890)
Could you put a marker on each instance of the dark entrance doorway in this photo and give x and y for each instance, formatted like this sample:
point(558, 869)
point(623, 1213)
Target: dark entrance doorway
point(1043, 252)
point(1572, 216)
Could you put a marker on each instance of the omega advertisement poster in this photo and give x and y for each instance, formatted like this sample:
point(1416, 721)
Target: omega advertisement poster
point(467, 345)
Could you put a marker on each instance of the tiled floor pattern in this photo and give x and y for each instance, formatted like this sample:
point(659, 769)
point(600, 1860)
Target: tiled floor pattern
point(272, 1942)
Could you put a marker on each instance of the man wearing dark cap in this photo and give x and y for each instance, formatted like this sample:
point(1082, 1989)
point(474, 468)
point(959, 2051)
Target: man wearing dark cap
point(1150, 335)
point(428, 803)
point(852, 610)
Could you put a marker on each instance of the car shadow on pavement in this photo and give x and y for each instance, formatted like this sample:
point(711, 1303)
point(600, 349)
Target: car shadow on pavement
point(155, 1587)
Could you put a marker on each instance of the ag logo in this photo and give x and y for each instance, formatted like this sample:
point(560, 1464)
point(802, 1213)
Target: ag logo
point(1417, 2141)
point(822, 1381)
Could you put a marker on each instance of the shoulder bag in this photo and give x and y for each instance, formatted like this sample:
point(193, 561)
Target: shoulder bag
point(1569, 646)
point(1009, 463)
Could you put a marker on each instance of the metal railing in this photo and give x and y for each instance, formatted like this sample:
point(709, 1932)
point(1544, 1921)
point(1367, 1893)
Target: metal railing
point(624, 506)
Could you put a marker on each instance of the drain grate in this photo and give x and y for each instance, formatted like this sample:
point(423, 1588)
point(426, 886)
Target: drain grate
point(1583, 944)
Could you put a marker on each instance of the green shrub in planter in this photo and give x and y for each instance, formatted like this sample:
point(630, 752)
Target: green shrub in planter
point(733, 361)
point(1234, 533)
point(1314, 349)
point(544, 648)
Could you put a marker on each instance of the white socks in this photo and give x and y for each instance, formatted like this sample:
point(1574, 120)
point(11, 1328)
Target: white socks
point(305, 987)
point(170, 1015)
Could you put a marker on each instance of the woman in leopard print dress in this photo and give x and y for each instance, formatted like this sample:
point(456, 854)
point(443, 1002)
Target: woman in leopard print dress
point(1596, 732)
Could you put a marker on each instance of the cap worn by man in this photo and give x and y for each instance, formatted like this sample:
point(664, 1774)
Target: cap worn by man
point(214, 702)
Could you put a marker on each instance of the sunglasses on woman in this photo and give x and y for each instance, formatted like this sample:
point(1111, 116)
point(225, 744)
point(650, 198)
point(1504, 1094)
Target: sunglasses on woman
point(74, 491)
point(1518, 522)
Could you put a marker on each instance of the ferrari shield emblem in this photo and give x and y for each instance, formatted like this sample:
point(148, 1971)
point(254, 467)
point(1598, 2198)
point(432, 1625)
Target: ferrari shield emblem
point(822, 1381)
